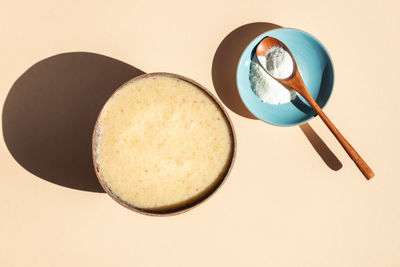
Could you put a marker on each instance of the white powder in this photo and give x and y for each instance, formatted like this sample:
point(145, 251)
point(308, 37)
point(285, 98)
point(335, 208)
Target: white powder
point(279, 64)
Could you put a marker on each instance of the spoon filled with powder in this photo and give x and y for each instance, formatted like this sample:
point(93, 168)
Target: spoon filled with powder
point(279, 63)
point(263, 84)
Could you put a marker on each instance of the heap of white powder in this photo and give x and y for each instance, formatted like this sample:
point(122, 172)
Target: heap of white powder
point(279, 64)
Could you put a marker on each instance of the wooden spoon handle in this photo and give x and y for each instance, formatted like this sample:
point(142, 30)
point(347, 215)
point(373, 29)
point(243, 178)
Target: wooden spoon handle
point(361, 164)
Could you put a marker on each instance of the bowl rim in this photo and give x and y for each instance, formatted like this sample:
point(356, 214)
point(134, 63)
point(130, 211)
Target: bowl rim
point(251, 45)
point(190, 205)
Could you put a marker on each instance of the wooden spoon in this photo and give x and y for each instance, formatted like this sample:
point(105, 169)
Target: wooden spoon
point(296, 82)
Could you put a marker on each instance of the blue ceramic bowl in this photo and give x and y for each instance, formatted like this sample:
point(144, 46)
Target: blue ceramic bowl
point(315, 67)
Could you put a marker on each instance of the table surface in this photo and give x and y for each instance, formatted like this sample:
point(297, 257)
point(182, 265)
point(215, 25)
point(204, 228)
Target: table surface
point(294, 197)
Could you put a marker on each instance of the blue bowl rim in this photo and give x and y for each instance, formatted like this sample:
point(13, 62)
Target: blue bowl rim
point(252, 44)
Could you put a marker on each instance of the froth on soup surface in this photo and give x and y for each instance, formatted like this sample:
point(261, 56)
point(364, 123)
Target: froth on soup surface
point(162, 143)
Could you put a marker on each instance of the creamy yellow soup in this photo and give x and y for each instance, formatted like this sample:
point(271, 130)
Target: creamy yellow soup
point(162, 143)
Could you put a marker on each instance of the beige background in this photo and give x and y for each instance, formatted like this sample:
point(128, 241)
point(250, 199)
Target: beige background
point(282, 204)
